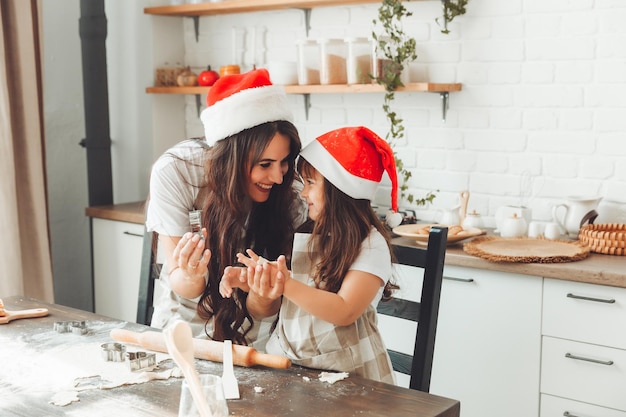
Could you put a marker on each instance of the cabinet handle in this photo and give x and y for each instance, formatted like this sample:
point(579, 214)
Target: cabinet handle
point(459, 279)
point(582, 358)
point(126, 232)
point(568, 414)
point(599, 300)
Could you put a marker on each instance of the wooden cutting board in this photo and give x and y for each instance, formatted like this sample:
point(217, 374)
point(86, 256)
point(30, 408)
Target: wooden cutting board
point(526, 250)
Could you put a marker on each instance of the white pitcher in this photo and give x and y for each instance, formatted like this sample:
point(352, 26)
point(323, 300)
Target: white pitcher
point(577, 211)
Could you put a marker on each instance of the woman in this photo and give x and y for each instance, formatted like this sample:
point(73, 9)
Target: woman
point(241, 175)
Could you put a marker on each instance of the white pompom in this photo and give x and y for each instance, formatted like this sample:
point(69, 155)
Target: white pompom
point(393, 219)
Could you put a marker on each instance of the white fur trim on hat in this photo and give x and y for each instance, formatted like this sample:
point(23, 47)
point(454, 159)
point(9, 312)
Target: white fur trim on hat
point(323, 161)
point(243, 110)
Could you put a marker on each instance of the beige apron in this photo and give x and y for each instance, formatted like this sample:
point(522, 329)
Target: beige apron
point(315, 343)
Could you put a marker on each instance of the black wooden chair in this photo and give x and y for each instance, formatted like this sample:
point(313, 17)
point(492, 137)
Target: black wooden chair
point(425, 313)
point(150, 271)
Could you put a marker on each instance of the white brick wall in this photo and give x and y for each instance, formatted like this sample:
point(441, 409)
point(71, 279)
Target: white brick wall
point(544, 94)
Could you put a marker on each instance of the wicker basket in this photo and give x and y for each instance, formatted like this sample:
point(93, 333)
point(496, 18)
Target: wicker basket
point(608, 238)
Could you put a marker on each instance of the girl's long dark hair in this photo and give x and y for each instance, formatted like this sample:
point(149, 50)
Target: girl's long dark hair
point(338, 234)
point(234, 222)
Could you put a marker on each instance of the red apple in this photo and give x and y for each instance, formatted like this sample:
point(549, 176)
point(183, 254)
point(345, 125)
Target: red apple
point(208, 77)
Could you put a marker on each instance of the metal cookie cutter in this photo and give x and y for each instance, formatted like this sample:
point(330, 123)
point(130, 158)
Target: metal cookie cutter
point(140, 360)
point(113, 352)
point(75, 327)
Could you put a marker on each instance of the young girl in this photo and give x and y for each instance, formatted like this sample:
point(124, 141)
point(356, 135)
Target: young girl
point(340, 270)
point(241, 175)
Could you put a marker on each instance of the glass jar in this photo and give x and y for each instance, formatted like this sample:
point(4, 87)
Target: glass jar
point(332, 61)
point(359, 61)
point(382, 65)
point(308, 62)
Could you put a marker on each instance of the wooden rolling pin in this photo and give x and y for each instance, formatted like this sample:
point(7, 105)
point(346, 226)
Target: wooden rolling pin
point(203, 349)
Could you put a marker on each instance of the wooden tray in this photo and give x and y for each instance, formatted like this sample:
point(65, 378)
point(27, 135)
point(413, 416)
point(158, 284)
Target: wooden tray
point(526, 250)
point(419, 232)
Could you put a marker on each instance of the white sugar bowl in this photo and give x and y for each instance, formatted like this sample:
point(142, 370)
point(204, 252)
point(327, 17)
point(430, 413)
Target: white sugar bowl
point(473, 219)
point(513, 226)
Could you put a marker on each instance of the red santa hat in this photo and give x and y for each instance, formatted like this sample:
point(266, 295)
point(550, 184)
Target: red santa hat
point(353, 159)
point(240, 101)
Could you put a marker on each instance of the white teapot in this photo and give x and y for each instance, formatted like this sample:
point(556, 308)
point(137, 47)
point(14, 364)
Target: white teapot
point(577, 211)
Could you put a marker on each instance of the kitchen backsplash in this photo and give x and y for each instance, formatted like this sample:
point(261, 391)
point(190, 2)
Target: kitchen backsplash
point(541, 115)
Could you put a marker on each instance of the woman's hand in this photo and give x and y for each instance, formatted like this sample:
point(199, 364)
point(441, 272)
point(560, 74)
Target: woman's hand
point(190, 255)
point(188, 261)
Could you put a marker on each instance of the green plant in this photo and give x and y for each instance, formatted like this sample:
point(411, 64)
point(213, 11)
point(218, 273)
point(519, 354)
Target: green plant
point(395, 51)
point(451, 9)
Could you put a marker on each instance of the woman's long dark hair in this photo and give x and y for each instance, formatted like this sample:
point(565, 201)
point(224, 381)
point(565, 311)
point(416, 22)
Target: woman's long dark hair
point(234, 222)
point(338, 233)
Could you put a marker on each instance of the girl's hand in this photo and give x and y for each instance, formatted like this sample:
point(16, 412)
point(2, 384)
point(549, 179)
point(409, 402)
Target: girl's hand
point(191, 256)
point(234, 277)
point(267, 279)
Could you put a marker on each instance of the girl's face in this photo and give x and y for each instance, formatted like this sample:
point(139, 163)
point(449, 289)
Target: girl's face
point(270, 169)
point(313, 193)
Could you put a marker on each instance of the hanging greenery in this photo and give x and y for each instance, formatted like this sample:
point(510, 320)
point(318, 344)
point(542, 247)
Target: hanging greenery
point(395, 51)
point(451, 9)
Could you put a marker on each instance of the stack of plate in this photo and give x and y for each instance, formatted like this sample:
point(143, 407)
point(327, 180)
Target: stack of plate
point(606, 238)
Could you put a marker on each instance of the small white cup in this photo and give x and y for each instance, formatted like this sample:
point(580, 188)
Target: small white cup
point(213, 392)
point(552, 231)
point(535, 229)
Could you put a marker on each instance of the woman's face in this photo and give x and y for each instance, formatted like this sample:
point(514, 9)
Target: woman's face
point(270, 169)
point(313, 193)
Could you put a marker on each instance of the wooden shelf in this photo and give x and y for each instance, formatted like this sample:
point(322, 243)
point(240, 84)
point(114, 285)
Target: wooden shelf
point(244, 6)
point(324, 89)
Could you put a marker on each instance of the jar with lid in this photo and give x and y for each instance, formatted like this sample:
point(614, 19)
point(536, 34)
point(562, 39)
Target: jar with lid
point(229, 69)
point(382, 65)
point(332, 61)
point(308, 62)
point(358, 64)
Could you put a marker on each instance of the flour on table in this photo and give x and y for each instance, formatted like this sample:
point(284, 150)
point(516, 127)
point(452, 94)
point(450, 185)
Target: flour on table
point(67, 364)
point(332, 377)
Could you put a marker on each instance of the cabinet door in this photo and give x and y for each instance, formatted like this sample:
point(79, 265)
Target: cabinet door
point(583, 371)
point(559, 407)
point(585, 312)
point(487, 351)
point(117, 250)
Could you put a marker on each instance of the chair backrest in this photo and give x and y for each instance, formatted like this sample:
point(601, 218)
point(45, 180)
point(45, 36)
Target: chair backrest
point(150, 271)
point(425, 313)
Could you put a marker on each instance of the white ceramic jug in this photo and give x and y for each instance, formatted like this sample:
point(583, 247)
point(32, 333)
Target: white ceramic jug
point(611, 211)
point(455, 215)
point(577, 211)
point(450, 216)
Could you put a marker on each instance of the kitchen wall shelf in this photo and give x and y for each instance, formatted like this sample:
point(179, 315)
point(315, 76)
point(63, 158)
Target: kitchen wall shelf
point(325, 89)
point(246, 6)
point(442, 88)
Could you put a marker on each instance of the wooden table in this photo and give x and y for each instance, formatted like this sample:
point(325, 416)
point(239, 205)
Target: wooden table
point(293, 392)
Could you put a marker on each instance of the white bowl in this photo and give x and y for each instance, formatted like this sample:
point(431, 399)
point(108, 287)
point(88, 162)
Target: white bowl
point(283, 72)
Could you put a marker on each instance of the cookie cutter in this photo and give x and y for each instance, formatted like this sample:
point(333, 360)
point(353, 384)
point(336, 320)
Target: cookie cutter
point(140, 360)
point(75, 327)
point(113, 352)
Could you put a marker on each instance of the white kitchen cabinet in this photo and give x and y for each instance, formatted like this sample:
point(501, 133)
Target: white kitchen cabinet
point(558, 407)
point(584, 344)
point(117, 248)
point(488, 347)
